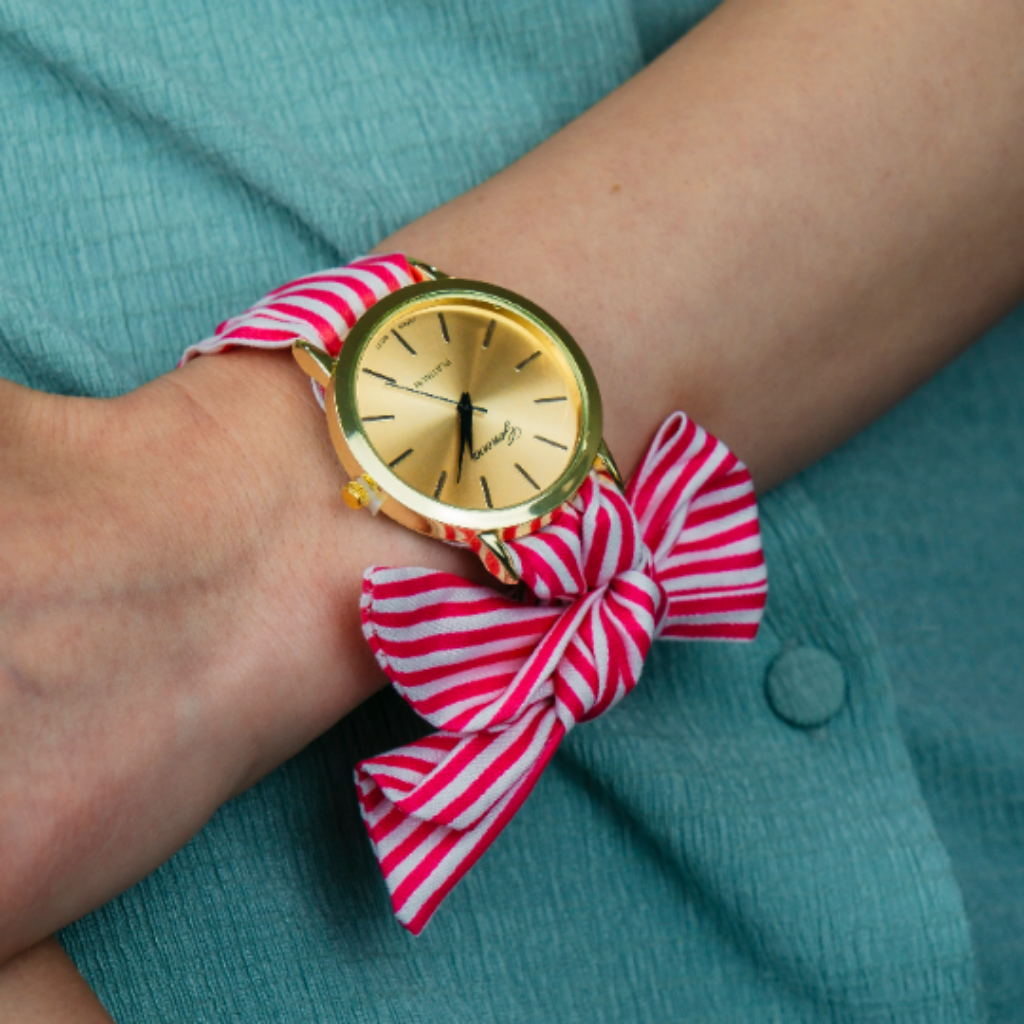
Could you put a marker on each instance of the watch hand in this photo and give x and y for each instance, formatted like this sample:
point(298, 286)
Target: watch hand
point(465, 429)
point(426, 394)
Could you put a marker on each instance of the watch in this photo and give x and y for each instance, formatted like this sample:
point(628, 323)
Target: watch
point(463, 411)
point(466, 412)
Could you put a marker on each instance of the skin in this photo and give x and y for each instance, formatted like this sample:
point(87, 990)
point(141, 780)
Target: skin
point(41, 986)
point(782, 226)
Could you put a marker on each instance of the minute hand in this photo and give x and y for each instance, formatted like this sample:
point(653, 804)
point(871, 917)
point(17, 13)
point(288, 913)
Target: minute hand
point(427, 394)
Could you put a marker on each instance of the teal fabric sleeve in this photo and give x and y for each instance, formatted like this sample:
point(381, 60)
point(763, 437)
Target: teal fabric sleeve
point(745, 838)
point(925, 510)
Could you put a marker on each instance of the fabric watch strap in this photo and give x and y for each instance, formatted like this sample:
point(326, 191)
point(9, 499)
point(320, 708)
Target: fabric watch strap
point(677, 556)
point(320, 308)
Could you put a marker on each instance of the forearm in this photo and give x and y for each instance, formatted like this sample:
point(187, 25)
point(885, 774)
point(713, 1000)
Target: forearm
point(782, 226)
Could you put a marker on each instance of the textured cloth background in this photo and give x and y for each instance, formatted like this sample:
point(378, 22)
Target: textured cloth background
point(926, 511)
point(162, 166)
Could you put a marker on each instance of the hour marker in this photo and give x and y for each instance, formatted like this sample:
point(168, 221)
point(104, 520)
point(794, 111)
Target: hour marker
point(412, 351)
point(536, 486)
point(440, 484)
point(444, 329)
point(382, 376)
point(404, 455)
point(376, 419)
point(544, 401)
point(490, 332)
point(487, 491)
point(554, 444)
point(528, 359)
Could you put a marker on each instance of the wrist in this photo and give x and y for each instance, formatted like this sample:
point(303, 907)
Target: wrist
point(180, 594)
point(250, 441)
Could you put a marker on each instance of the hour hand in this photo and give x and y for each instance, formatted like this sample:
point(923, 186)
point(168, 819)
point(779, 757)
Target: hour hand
point(465, 429)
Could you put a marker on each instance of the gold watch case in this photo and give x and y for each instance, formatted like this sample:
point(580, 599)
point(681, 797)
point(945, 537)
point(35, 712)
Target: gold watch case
point(435, 360)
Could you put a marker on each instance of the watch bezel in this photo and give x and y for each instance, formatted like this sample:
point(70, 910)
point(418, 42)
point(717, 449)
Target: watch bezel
point(400, 500)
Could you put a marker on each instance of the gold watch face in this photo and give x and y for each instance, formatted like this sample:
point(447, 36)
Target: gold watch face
point(467, 405)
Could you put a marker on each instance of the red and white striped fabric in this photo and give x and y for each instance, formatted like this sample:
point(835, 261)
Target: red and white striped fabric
point(678, 556)
point(320, 308)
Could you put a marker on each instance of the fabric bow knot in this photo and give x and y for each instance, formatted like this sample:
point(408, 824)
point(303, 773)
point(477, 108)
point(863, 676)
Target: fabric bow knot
point(678, 556)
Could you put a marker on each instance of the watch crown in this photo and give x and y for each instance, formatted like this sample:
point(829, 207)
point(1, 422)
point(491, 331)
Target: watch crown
point(361, 492)
point(356, 495)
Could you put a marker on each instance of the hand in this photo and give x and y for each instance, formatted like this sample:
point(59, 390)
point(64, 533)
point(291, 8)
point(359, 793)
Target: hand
point(414, 391)
point(465, 429)
point(167, 635)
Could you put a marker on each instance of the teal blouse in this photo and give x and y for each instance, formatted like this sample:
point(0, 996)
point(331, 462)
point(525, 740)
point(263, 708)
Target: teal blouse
point(826, 825)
